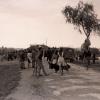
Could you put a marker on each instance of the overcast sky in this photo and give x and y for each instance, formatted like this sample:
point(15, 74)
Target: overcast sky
point(25, 22)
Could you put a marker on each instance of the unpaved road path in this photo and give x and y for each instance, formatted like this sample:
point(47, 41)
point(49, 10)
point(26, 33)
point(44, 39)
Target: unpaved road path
point(77, 84)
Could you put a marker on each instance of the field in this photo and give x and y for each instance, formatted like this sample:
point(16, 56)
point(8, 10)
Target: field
point(9, 77)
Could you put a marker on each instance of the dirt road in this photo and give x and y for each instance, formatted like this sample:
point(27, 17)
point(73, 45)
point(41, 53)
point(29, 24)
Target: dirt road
point(77, 84)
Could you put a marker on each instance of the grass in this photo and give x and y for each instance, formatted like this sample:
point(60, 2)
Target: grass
point(9, 77)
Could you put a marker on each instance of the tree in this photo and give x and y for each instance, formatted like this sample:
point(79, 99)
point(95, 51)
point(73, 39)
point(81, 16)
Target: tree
point(83, 17)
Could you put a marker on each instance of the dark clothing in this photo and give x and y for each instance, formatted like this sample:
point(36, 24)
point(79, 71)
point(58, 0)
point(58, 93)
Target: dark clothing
point(87, 54)
point(94, 57)
point(29, 60)
point(49, 55)
point(40, 55)
point(22, 59)
point(33, 58)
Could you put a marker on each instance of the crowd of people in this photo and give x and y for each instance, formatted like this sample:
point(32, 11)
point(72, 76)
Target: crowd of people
point(35, 57)
point(55, 58)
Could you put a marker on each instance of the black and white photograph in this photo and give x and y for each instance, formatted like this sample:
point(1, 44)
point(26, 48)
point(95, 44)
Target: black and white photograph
point(49, 49)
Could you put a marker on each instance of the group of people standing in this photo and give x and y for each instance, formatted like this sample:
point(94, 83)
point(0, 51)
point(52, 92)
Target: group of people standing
point(35, 57)
point(58, 61)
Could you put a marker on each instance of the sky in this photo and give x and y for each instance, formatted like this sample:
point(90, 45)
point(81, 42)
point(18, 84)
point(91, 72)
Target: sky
point(27, 22)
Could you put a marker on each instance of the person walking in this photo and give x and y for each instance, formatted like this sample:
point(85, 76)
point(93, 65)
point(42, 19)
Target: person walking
point(94, 58)
point(61, 61)
point(87, 56)
point(29, 58)
point(22, 59)
point(33, 58)
point(34, 61)
point(39, 62)
point(54, 61)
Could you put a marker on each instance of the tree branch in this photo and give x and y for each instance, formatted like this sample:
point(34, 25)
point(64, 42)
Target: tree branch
point(84, 30)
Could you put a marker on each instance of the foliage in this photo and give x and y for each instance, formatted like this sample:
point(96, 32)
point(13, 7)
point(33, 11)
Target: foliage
point(83, 17)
